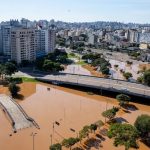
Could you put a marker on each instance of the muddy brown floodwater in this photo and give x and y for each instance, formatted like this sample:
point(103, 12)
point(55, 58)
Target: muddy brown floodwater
point(71, 110)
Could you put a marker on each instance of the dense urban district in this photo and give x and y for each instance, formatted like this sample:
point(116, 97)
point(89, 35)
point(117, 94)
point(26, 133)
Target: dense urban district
point(76, 86)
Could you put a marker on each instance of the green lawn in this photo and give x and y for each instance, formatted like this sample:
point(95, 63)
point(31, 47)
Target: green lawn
point(81, 63)
point(26, 79)
point(72, 56)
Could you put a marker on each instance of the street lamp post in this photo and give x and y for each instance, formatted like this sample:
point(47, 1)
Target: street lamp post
point(33, 135)
point(51, 139)
point(106, 108)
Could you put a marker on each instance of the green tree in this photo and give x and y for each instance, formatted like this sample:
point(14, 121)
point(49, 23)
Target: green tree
point(10, 68)
point(123, 99)
point(105, 70)
point(110, 113)
point(14, 89)
point(56, 146)
point(69, 142)
point(80, 49)
point(99, 124)
point(146, 77)
point(127, 75)
point(58, 67)
point(93, 127)
point(140, 79)
point(84, 132)
point(142, 124)
point(124, 134)
point(48, 65)
point(2, 70)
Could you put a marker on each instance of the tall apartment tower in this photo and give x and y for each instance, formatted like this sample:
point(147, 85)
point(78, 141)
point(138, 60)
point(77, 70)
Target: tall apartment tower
point(50, 40)
point(1, 47)
point(23, 45)
point(40, 41)
point(6, 40)
point(44, 41)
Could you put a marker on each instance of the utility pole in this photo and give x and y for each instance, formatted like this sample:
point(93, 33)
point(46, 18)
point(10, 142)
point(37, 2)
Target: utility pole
point(33, 135)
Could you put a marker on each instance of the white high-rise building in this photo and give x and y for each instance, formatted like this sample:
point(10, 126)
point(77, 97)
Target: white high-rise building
point(23, 45)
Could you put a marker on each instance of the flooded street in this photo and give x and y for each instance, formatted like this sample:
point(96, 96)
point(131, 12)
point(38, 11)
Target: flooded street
point(46, 107)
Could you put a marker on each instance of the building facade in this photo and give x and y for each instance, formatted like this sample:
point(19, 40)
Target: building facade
point(23, 45)
point(50, 40)
point(6, 40)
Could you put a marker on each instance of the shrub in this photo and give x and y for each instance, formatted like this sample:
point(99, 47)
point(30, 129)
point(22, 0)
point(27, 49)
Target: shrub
point(127, 75)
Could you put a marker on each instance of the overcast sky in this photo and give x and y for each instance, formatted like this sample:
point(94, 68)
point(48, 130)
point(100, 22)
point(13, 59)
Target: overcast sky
point(77, 10)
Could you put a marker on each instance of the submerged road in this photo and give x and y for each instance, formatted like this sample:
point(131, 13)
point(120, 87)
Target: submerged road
point(16, 114)
point(99, 83)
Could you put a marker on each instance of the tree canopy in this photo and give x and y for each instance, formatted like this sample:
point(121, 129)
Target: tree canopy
point(124, 134)
point(8, 68)
point(84, 132)
point(146, 77)
point(127, 75)
point(56, 146)
point(123, 99)
point(142, 124)
point(69, 142)
point(93, 127)
point(52, 62)
point(110, 113)
point(14, 89)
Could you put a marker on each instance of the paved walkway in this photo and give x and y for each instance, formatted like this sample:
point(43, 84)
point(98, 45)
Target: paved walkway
point(76, 69)
point(16, 114)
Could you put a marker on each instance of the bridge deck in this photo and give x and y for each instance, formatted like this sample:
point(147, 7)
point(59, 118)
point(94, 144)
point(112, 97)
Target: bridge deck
point(16, 114)
point(101, 83)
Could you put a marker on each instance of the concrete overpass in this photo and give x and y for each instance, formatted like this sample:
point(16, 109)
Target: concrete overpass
point(99, 83)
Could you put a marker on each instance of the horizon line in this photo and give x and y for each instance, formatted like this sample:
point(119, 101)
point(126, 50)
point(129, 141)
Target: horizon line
point(123, 22)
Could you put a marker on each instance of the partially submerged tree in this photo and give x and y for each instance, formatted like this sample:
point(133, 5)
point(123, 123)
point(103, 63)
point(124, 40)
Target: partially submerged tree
point(70, 142)
point(93, 127)
point(142, 124)
point(123, 99)
point(56, 146)
point(124, 134)
point(84, 132)
point(99, 124)
point(14, 89)
point(110, 113)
